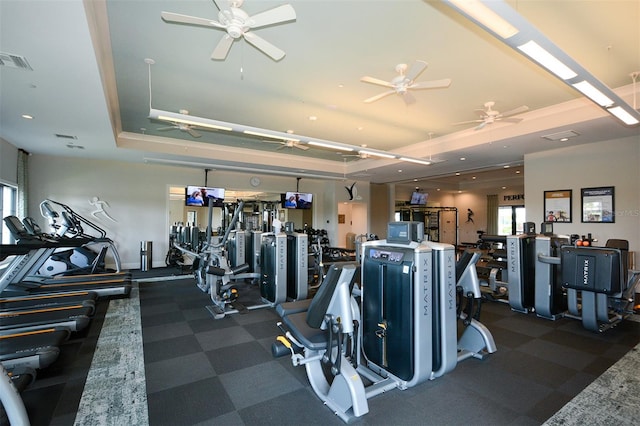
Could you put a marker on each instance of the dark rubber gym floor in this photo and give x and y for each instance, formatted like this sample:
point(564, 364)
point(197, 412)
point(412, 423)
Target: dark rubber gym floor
point(201, 371)
point(205, 371)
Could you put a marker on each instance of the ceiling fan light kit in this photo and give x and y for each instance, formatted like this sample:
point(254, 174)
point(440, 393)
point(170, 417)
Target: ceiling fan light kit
point(508, 26)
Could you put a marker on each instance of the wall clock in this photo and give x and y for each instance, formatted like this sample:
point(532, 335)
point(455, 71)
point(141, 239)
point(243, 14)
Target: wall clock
point(255, 181)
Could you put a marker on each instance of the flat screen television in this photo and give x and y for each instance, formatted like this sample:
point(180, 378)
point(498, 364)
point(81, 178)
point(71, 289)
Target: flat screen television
point(418, 199)
point(298, 200)
point(200, 196)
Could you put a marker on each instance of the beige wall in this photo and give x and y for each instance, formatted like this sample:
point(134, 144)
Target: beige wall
point(138, 197)
point(138, 194)
point(612, 163)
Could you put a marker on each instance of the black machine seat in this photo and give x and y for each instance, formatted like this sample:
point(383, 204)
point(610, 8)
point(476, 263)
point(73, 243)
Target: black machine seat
point(305, 326)
point(311, 338)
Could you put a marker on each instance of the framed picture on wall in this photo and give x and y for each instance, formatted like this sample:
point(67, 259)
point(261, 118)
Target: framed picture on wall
point(598, 205)
point(557, 206)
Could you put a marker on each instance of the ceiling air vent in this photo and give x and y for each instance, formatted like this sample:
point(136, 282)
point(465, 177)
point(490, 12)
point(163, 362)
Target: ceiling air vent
point(14, 61)
point(561, 136)
point(61, 136)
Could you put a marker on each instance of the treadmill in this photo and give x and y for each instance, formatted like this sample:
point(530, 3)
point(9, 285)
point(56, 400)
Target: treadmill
point(21, 276)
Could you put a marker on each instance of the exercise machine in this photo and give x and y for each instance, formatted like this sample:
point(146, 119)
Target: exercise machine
point(550, 300)
point(401, 332)
point(297, 263)
point(600, 287)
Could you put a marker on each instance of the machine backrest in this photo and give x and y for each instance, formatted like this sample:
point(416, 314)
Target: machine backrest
point(322, 299)
point(466, 273)
point(623, 245)
point(595, 269)
point(462, 263)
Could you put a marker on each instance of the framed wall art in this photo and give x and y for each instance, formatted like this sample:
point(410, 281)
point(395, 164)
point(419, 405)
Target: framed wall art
point(598, 204)
point(557, 206)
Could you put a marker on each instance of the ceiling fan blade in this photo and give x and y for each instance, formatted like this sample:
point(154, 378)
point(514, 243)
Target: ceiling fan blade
point(511, 120)
point(192, 20)
point(515, 111)
point(281, 147)
point(372, 80)
point(276, 15)
point(380, 96)
point(434, 84)
point(222, 49)
point(164, 129)
point(408, 98)
point(480, 126)
point(193, 133)
point(416, 69)
point(263, 45)
point(302, 147)
point(466, 122)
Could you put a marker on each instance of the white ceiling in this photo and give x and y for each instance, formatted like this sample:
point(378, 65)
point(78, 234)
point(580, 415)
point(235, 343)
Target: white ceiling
point(90, 80)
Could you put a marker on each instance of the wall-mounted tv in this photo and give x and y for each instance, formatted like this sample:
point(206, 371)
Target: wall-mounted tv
point(297, 200)
point(200, 196)
point(418, 199)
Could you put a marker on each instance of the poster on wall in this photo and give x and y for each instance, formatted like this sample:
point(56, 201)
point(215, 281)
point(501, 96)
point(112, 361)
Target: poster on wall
point(598, 205)
point(557, 206)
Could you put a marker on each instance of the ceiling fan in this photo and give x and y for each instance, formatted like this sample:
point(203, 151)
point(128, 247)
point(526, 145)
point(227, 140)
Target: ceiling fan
point(359, 156)
point(405, 81)
point(237, 23)
point(188, 128)
point(489, 115)
point(288, 144)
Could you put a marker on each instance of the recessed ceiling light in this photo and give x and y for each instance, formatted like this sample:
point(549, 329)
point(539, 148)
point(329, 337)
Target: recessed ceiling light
point(504, 187)
point(564, 139)
point(458, 174)
point(290, 131)
point(506, 167)
point(437, 189)
point(415, 180)
point(399, 170)
point(517, 172)
point(463, 158)
point(473, 177)
point(313, 118)
point(459, 191)
point(27, 116)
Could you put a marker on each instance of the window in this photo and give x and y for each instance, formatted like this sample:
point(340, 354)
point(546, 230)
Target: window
point(7, 208)
point(511, 220)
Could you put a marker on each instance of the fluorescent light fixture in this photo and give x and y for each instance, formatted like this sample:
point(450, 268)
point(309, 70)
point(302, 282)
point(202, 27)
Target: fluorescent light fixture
point(486, 17)
point(529, 41)
point(330, 146)
point(270, 135)
point(186, 119)
point(416, 160)
point(594, 94)
point(623, 115)
point(547, 60)
point(376, 154)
